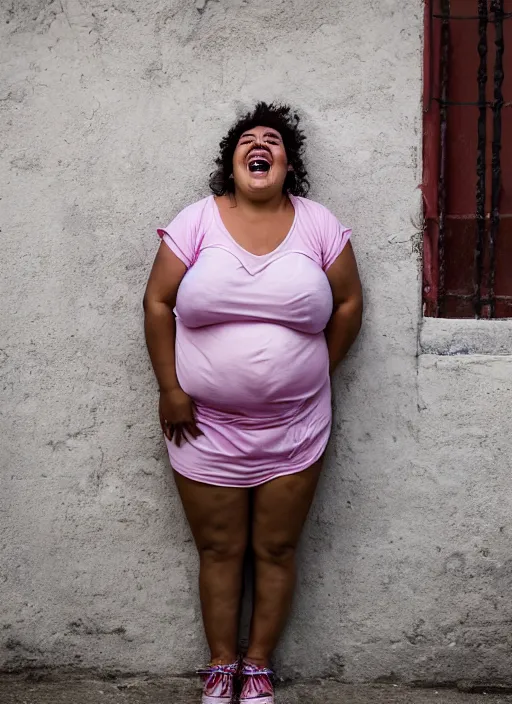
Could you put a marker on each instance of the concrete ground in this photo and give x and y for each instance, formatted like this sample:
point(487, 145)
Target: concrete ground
point(16, 689)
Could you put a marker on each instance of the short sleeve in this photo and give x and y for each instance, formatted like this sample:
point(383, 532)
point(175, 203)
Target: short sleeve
point(182, 234)
point(333, 237)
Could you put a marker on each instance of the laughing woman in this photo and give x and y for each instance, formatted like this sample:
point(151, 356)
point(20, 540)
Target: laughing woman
point(253, 300)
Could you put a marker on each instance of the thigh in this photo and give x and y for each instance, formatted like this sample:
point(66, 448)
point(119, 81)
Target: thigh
point(218, 516)
point(281, 507)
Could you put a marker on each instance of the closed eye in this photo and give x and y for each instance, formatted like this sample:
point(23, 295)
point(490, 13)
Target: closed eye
point(268, 137)
point(267, 141)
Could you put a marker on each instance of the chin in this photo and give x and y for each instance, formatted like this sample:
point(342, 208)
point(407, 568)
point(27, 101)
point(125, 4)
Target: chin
point(262, 191)
point(263, 186)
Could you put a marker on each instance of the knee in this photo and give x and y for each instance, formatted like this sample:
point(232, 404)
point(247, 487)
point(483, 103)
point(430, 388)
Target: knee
point(222, 550)
point(276, 552)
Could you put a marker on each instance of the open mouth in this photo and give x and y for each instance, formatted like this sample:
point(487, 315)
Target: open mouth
point(259, 164)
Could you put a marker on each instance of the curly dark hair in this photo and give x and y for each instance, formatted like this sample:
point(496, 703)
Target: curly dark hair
point(277, 117)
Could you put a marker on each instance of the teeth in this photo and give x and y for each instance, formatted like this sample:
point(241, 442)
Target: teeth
point(259, 157)
point(259, 165)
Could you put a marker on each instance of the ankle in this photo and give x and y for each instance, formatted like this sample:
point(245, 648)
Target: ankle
point(227, 659)
point(257, 659)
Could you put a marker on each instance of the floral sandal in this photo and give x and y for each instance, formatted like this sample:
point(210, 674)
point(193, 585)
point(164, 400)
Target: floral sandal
point(218, 683)
point(257, 685)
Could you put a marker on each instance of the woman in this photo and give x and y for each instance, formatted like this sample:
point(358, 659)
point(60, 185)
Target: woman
point(267, 301)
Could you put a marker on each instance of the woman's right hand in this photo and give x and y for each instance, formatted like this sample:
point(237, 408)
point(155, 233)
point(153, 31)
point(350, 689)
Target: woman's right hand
point(176, 410)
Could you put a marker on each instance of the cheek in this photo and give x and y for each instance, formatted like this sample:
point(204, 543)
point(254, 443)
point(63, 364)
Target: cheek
point(281, 160)
point(238, 160)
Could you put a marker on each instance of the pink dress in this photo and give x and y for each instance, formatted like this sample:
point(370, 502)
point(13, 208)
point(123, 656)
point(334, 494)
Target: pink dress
point(250, 346)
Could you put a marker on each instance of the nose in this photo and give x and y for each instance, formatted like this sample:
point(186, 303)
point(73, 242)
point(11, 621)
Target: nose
point(260, 145)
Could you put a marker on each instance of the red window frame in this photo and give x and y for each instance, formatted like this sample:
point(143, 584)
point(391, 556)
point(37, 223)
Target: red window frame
point(467, 159)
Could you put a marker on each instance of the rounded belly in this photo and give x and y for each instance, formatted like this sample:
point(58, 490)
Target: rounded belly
point(250, 366)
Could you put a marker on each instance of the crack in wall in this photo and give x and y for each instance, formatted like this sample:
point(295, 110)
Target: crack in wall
point(201, 5)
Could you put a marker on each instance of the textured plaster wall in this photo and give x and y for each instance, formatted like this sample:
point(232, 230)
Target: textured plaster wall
point(111, 114)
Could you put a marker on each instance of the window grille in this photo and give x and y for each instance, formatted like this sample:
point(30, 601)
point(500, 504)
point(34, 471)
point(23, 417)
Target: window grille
point(467, 150)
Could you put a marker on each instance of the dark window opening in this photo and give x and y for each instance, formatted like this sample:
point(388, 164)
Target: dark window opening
point(467, 151)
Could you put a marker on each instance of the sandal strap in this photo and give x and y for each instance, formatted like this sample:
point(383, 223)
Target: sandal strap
point(218, 670)
point(253, 670)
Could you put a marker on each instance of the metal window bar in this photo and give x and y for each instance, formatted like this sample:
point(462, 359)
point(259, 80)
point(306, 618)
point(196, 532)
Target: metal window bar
point(480, 159)
point(497, 9)
point(445, 47)
point(494, 14)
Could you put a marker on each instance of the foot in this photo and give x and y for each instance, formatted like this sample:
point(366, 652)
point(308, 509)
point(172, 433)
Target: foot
point(257, 685)
point(218, 683)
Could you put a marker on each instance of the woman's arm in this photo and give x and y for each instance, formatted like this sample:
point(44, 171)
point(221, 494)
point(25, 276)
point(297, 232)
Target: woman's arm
point(345, 323)
point(176, 407)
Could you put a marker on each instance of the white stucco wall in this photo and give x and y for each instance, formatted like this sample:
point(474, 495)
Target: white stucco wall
point(112, 114)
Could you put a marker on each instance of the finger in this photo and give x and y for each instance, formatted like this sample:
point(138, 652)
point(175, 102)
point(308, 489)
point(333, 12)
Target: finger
point(178, 435)
point(162, 423)
point(194, 430)
point(167, 429)
point(197, 429)
point(184, 431)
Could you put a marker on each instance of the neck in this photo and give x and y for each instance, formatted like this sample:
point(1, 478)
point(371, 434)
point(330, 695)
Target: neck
point(273, 203)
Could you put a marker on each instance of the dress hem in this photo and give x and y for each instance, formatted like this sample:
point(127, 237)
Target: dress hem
point(301, 468)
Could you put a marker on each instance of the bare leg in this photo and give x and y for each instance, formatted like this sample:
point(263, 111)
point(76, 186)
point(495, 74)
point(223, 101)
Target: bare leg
point(218, 518)
point(280, 509)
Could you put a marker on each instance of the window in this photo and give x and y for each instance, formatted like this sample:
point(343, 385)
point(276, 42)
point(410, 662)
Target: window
point(467, 150)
